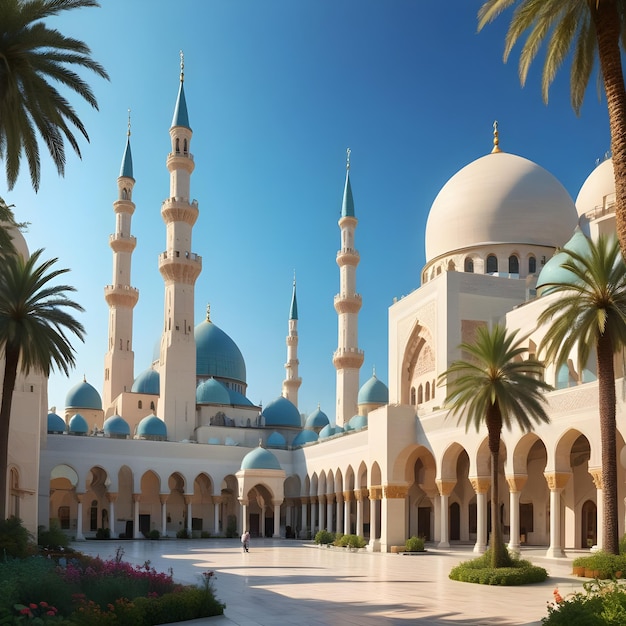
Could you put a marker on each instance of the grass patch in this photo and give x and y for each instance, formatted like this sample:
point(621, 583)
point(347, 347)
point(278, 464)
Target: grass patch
point(517, 572)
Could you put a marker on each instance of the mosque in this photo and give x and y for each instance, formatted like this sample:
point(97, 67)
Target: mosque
point(179, 448)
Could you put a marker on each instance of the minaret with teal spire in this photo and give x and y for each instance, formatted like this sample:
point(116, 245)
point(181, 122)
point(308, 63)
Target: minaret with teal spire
point(180, 267)
point(119, 361)
point(347, 358)
point(292, 381)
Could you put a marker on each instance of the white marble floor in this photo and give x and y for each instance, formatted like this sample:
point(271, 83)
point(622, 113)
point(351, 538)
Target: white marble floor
point(280, 583)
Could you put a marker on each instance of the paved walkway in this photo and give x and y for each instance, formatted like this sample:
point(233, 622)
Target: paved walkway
point(283, 583)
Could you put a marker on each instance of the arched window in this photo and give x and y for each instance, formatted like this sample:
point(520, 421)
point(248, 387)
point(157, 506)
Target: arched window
point(532, 265)
point(451, 266)
point(139, 404)
point(420, 395)
point(427, 394)
point(469, 265)
point(513, 264)
point(412, 396)
point(152, 406)
point(432, 396)
point(185, 146)
point(177, 145)
point(492, 264)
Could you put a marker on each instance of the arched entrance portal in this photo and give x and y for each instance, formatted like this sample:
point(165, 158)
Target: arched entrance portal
point(589, 525)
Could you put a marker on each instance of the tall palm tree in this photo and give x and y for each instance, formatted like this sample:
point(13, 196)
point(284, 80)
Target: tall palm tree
point(34, 327)
point(592, 28)
point(7, 221)
point(33, 58)
point(590, 313)
point(495, 387)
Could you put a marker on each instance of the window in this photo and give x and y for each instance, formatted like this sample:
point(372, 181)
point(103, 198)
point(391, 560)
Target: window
point(412, 396)
point(64, 517)
point(427, 392)
point(469, 265)
point(513, 264)
point(532, 265)
point(420, 395)
point(492, 264)
point(140, 404)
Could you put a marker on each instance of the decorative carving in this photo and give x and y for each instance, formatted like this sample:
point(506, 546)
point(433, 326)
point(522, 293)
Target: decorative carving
point(445, 486)
point(348, 496)
point(376, 492)
point(516, 482)
point(395, 491)
point(111, 496)
point(480, 484)
point(596, 474)
point(556, 480)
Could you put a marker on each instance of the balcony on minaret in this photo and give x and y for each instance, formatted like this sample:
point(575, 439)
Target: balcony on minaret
point(183, 160)
point(348, 303)
point(122, 243)
point(180, 266)
point(121, 295)
point(348, 256)
point(177, 209)
point(348, 358)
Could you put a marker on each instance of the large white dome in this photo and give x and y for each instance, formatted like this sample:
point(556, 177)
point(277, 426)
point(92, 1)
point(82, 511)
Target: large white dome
point(598, 190)
point(499, 198)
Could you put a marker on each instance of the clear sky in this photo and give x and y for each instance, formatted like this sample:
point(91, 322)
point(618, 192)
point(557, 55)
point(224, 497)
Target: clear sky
point(276, 91)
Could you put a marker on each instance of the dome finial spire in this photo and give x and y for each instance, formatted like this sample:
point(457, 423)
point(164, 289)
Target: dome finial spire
point(182, 66)
point(496, 138)
point(128, 132)
point(208, 312)
point(348, 151)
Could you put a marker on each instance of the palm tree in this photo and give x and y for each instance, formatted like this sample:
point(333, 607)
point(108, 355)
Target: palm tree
point(592, 28)
point(33, 333)
point(494, 386)
point(7, 222)
point(589, 313)
point(33, 58)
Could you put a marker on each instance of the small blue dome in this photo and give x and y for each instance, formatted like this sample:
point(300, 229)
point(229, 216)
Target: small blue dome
point(56, 424)
point(317, 420)
point(553, 272)
point(217, 354)
point(258, 459)
point(327, 431)
point(276, 440)
point(304, 436)
point(116, 426)
point(78, 425)
point(212, 392)
point(357, 422)
point(238, 398)
point(281, 412)
point(83, 396)
point(148, 381)
point(374, 391)
point(152, 427)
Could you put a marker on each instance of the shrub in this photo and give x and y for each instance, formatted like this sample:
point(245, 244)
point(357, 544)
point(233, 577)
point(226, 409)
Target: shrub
point(479, 570)
point(414, 544)
point(52, 538)
point(183, 533)
point(205, 534)
point(15, 541)
point(154, 534)
point(103, 533)
point(350, 541)
point(231, 526)
point(604, 565)
point(324, 537)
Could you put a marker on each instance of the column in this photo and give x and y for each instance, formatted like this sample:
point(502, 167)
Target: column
point(243, 522)
point(481, 487)
point(320, 512)
point(393, 518)
point(556, 483)
point(112, 498)
point(79, 517)
point(136, 531)
point(339, 513)
point(276, 504)
point(516, 484)
point(188, 500)
point(375, 494)
point(445, 489)
point(217, 503)
point(163, 499)
point(312, 518)
point(330, 500)
point(358, 495)
point(347, 498)
point(303, 516)
point(288, 512)
point(596, 474)
point(262, 524)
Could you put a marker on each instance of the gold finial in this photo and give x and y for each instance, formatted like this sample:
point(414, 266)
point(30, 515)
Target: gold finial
point(348, 151)
point(496, 138)
point(128, 133)
point(182, 66)
point(208, 312)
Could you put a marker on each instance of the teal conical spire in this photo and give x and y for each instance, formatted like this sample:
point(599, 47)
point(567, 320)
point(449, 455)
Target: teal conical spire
point(293, 311)
point(347, 208)
point(181, 117)
point(127, 160)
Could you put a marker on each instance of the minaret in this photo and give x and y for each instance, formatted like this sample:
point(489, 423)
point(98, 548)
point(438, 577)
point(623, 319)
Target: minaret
point(348, 358)
point(292, 381)
point(119, 360)
point(180, 268)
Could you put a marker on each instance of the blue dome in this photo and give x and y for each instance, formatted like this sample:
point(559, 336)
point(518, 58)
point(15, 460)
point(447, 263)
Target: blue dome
point(56, 424)
point(357, 422)
point(212, 392)
point(238, 398)
point(83, 396)
point(152, 427)
point(276, 440)
point(116, 426)
point(217, 354)
point(282, 412)
point(317, 420)
point(148, 381)
point(304, 436)
point(327, 431)
point(78, 425)
point(553, 272)
point(258, 459)
point(374, 391)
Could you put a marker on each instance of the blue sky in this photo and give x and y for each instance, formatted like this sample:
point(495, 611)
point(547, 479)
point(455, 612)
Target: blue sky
point(276, 92)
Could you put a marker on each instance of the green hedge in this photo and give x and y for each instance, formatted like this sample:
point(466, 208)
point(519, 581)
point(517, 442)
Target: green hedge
point(479, 570)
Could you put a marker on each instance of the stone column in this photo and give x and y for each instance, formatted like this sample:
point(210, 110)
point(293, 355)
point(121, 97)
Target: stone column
point(445, 489)
point(375, 493)
point(596, 474)
point(303, 515)
point(339, 512)
point(481, 485)
point(321, 520)
point(163, 499)
point(217, 505)
point(276, 504)
point(358, 495)
point(243, 522)
point(330, 500)
point(136, 501)
point(393, 531)
point(516, 484)
point(312, 517)
point(188, 500)
point(112, 498)
point(556, 483)
point(347, 498)
point(80, 497)
point(288, 512)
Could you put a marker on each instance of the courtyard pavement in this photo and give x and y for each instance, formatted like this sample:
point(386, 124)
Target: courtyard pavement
point(287, 582)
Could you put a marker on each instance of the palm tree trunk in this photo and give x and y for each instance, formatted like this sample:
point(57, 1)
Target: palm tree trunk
point(608, 435)
point(496, 543)
point(607, 25)
point(8, 385)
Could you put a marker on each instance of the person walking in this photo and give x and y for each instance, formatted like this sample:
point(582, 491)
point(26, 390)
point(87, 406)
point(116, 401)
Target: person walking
point(245, 541)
